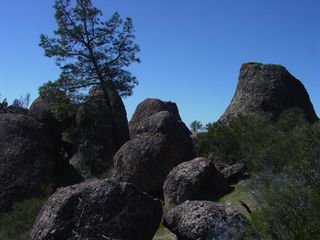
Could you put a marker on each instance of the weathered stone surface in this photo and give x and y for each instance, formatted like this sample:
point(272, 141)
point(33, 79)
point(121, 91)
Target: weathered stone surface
point(234, 172)
point(147, 108)
point(119, 114)
point(147, 159)
point(40, 110)
point(103, 130)
point(202, 220)
point(166, 123)
point(195, 179)
point(103, 209)
point(26, 158)
point(266, 91)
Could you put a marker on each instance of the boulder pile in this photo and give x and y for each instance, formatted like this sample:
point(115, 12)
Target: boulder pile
point(161, 141)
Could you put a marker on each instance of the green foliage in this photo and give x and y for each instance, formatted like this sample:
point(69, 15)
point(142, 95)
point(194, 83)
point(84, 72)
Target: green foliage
point(16, 224)
point(90, 51)
point(62, 107)
point(238, 140)
point(257, 142)
point(196, 126)
point(291, 207)
point(242, 192)
point(283, 159)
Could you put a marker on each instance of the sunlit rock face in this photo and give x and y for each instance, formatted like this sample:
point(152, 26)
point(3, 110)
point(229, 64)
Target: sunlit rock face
point(266, 90)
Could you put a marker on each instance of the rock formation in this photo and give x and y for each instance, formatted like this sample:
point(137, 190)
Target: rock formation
point(266, 91)
point(234, 173)
point(195, 179)
point(103, 130)
point(103, 209)
point(41, 110)
point(26, 158)
point(147, 108)
point(203, 220)
point(161, 142)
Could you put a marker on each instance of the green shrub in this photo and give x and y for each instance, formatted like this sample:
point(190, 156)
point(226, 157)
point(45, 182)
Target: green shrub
point(283, 159)
point(16, 224)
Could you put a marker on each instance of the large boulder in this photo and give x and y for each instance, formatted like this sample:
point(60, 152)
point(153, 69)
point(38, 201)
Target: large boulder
point(103, 130)
point(266, 91)
point(100, 209)
point(42, 110)
point(147, 108)
point(147, 159)
point(195, 179)
point(27, 160)
point(166, 123)
point(119, 114)
point(204, 220)
point(162, 143)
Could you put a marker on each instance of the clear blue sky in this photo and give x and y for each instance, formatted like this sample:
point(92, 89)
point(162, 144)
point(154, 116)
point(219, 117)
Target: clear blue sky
point(191, 49)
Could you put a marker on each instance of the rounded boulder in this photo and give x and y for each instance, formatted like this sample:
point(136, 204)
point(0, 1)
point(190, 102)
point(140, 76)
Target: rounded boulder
point(100, 209)
point(204, 220)
point(146, 109)
point(195, 179)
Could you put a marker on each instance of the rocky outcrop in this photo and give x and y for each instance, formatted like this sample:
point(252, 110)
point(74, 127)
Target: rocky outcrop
point(103, 209)
point(166, 123)
point(41, 110)
point(235, 172)
point(147, 159)
point(161, 143)
point(26, 158)
point(17, 110)
point(203, 220)
point(119, 114)
point(195, 179)
point(103, 130)
point(266, 91)
point(146, 109)
point(13, 109)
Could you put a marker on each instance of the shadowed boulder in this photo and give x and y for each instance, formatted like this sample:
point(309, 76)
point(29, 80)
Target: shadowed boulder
point(103, 209)
point(42, 110)
point(27, 160)
point(147, 159)
point(103, 130)
point(267, 90)
point(195, 179)
point(204, 220)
